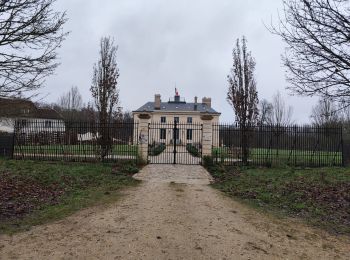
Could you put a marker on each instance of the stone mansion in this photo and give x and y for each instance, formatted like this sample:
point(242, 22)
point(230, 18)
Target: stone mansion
point(187, 115)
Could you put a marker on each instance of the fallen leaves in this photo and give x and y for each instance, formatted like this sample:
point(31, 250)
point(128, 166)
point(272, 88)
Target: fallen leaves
point(20, 196)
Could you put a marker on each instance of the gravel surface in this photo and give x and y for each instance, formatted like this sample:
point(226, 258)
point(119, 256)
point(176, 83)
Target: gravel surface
point(174, 214)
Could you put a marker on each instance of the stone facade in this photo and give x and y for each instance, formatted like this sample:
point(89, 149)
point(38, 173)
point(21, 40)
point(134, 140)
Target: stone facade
point(189, 115)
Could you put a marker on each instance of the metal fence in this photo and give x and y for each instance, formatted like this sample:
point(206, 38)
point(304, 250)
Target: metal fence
point(278, 145)
point(175, 143)
point(74, 141)
point(6, 144)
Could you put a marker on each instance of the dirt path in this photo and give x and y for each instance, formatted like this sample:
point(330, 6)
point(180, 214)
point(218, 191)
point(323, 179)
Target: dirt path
point(173, 214)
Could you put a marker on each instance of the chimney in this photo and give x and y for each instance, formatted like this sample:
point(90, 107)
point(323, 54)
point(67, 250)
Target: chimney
point(195, 103)
point(157, 102)
point(207, 101)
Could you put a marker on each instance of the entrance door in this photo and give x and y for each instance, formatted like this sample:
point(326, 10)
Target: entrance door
point(175, 143)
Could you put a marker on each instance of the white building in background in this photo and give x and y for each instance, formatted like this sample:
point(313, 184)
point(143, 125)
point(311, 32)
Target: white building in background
point(30, 118)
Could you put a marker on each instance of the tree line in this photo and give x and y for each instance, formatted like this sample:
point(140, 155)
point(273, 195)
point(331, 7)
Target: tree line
point(72, 108)
point(316, 58)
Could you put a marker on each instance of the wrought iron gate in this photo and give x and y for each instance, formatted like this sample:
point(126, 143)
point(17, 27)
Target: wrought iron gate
point(175, 143)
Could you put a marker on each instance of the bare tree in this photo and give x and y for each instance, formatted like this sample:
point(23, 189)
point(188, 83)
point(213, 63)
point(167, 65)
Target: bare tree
point(30, 34)
point(88, 113)
point(72, 100)
point(344, 113)
point(265, 111)
point(242, 94)
point(104, 89)
point(325, 113)
point(281, 114)
point(69, 106)
point(317, 55)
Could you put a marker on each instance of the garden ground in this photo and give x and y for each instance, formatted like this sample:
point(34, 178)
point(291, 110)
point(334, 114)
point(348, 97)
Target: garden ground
point(174, 214)
point(33, 193)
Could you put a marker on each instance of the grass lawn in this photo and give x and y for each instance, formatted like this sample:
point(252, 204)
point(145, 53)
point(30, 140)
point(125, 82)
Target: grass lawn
point(33, 193)
point(319, 196)
point(262, 156)
point(83, 149)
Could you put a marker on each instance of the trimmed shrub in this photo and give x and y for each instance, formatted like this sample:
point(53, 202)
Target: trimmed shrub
point(208, 161)
point(193, 150)
point(156, 149)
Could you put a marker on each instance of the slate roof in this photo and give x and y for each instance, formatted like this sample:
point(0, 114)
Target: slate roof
point(176, 106)
point(21, 108)
point(14, 102)
point(48, 113)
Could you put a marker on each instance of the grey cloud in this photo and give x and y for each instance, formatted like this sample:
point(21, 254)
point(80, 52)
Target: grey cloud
point(163, 42)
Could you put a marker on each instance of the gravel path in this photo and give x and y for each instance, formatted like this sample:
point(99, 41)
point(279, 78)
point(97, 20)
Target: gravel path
point(173, 214)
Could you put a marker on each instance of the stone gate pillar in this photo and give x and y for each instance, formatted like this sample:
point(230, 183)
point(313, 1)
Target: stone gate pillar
point(143, 136)
point(207, 141)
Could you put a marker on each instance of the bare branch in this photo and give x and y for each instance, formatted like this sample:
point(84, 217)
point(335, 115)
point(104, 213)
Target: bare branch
point(325, 113)
point(317, 57)
point(242, 94)
point(30, 34)
point(104, 88)
point(280, 114)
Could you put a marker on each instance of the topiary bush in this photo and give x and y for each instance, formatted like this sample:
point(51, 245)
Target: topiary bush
point(193, 150)
point(156, 149)
point(208, 161)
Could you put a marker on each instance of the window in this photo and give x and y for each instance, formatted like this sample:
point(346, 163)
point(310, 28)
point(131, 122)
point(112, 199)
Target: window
point(177, 134)
point(176, 119)
point(48, 124)
point(189, 120)
point(23, 123)
point(163, 119)
point(163, 134)
point(189, 134)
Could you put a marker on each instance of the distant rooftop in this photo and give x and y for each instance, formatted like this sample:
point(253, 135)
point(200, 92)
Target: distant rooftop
point(23, 108)
point(176, 104)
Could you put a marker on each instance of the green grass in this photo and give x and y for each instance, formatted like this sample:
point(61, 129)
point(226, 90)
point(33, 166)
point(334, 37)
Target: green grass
point(319, 196)
point(83, 149)
point(264, 156)
point(82, 185)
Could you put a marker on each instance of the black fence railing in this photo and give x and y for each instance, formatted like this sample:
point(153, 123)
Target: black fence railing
point(175, 143)
point(278, 145)
point(6, 144)
point(75, 141)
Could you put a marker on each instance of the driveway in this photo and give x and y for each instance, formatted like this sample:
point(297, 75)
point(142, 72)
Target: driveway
point(174, 214)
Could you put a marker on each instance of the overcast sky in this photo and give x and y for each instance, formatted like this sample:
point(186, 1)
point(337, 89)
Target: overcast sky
point(174, 41)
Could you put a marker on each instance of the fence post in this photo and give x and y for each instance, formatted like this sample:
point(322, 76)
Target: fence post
point(207, 135)
point(175, 140)
point(143, 136)
point(342, 146)
point(13, 145)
